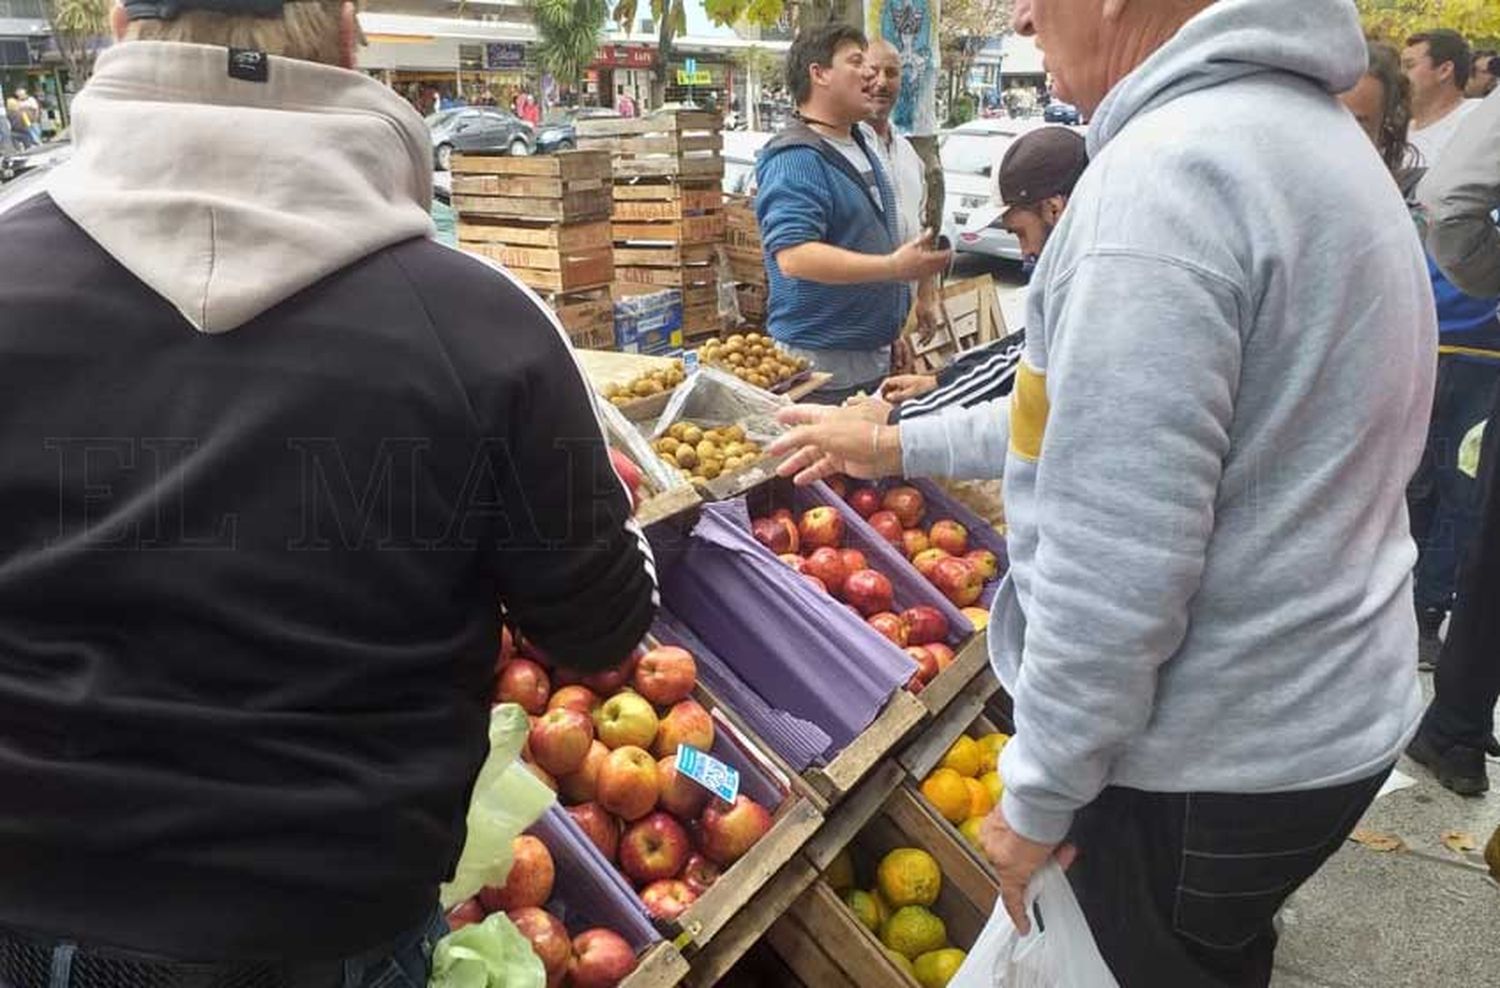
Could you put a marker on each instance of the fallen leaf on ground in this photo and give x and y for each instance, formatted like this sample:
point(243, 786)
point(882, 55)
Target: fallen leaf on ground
point(1457, 840)
point(1377, 841)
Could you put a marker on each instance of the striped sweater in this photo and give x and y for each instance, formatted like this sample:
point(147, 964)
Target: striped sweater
point(808, 192)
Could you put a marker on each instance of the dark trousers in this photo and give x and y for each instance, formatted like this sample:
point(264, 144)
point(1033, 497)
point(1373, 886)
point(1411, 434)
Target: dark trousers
point(1467, 682)
point(1180, 889)
point(1443, 501)
point(30, 962)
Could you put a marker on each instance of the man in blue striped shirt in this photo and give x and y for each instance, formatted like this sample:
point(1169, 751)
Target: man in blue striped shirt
point(837, 270)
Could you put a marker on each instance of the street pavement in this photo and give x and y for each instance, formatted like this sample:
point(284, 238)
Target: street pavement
point(1421, 914)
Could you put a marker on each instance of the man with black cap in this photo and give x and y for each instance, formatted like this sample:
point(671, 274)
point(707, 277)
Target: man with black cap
point(276, 466)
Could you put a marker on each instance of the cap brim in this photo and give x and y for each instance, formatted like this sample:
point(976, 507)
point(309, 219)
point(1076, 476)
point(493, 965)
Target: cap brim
point(983, 218)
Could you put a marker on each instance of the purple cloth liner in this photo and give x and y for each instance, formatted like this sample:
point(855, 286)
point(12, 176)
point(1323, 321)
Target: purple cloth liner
point(798, 648)
point(589, 891)
point(911, 587)
point(797, 741)
point(940, 506)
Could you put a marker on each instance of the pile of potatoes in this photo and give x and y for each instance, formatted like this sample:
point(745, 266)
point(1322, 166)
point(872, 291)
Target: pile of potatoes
point(752, 358)
point(706, 454)
point(646, 385)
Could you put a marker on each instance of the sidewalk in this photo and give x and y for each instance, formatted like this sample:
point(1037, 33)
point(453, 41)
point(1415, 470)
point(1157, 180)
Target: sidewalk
point(1420, 916)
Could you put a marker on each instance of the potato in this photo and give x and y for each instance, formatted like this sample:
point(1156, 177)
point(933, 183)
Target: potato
point(667, 444)
point(736, 339)
point(735, 433)
point(692, 435)
point(619, 402)
point(707, 449)
point(676, 429)
point(733, 449)
point(686, 456)
point(711, 469)
point(731, 464)
point(668, 459)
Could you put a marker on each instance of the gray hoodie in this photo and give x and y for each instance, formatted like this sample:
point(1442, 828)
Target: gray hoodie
point(1228, 371)
point(1461, 194)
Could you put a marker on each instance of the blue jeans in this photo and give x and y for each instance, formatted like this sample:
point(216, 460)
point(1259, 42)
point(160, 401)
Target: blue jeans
point(1443, 501)
point(404, 962)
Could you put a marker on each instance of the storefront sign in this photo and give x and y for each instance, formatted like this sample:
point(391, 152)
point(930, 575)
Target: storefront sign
point(625, 57)
point(698, 77)
point(504, 55)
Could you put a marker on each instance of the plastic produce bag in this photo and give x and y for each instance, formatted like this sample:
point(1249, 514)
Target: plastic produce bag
point(711, 397)
point(1059, 952)
point(621, 433)
point(507, 799)
point(489, 954)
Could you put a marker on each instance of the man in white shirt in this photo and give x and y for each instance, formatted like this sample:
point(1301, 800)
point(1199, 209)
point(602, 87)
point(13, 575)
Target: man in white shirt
point(1438, 64)
point(905, 168)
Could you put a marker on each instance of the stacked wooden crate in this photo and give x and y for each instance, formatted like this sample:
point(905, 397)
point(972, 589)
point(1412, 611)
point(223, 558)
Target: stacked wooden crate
point(668, 215)
point(546, 218)
point(746, 260)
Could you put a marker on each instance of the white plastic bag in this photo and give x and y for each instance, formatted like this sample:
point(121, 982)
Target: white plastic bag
point(1059, 952)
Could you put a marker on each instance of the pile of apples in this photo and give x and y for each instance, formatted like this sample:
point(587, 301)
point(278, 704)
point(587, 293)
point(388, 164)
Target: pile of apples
point(607, 745)
point(940, 552)
point(813, 546)
point(595, 958)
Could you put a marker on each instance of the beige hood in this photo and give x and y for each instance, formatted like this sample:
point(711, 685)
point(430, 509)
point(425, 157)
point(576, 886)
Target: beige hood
point(227, 196)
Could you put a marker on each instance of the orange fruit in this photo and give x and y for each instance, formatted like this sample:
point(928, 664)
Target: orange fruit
point(909, 876)
point(946, 791)
point(980, 802)
point(964, 758)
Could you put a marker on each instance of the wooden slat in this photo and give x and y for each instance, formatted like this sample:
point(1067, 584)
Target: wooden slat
point(902, 713)
point(567, 164)
point(569, 207)
point(971, 658)
point(958, 865)
point(653, 144)
point(693, 202)
point(663, 255)
point(674, 277)
point(846, 820)
point(691, 230)
point(524, 186)
point(588, 269)
point(801, 952)
point(664, 190)
point(657, 123)
point(661, 966)
point(963, 918)
point(850, 946)
point(923, 754)
point(750, 925)
point(565, 236)
point(706, 166)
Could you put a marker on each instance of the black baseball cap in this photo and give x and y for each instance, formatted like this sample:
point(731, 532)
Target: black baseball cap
point(166, 10)
point(1038, 165)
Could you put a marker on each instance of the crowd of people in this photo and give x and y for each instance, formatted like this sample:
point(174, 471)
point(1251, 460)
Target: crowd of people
point(21, 126)
point(269, 468)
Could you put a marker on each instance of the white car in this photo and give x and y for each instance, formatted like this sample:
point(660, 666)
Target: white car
point(971, 156)
point(740, 150)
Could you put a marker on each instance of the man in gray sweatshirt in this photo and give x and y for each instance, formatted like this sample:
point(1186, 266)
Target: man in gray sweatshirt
point(1207, 626)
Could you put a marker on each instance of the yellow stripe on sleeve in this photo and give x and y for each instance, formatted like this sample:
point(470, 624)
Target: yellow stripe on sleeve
point(1028, 412)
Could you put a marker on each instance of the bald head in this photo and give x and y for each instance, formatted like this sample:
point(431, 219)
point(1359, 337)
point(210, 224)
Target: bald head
point(884, 60)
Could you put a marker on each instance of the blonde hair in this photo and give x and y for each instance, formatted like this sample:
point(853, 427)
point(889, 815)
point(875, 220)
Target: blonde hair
point(309, 30)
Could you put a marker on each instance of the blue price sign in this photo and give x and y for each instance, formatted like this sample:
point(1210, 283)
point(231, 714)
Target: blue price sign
point(710, 773)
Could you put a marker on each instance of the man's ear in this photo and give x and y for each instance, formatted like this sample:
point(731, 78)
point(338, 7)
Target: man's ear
point(348, 35)
point(119, 21)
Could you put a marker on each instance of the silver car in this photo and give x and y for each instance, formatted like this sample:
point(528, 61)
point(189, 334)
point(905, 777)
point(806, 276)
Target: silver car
point(971, 156)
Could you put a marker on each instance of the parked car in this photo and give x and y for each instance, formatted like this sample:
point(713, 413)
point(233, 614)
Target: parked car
point(478, 128)
point(970, 155)
point(558, 132)
point(1062, 113)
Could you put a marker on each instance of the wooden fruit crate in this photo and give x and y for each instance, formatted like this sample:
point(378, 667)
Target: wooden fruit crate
point(677, 201)
point(526, 233)
point(747, 266)
point(568, 166)
point(693, 295)
point(563, 188)
point(972, 316)
point(681, 144)
point(553, 269)
point(708, 229)
point(678, 276)
point(660, 255)
point(752, 301)
point(742, 228)
point(588, 316)
point(701, 320)
point(902, 713)
point(987, 722)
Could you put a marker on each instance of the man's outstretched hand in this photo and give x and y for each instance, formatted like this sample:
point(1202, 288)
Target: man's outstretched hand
point(824, 441)
point(919, 258)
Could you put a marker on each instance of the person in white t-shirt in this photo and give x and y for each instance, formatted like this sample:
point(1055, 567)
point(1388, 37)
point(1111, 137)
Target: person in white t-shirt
point(1438, 64)
point(906, 170)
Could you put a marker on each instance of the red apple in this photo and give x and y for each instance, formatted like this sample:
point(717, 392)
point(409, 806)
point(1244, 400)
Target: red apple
point(598, 826)
point(665, 675)
point(549, 940)
point(942, 653)
point(853, 560)
point(667, 899)
point(680, 796)
point(927, 667)
point(985, 562)
point(466, 912)
point(784, 513)
point(915, 684)
point(601, 959)
point(925, 624)
point(815, 582)
point(576, 697)
point(653, 848)
point(821, 526)
point(686, 723)
point(914, 541)
point(625, 719)
point(629, 473)
point(524, 682)
point(529, 882)
point(580, 785)
point(777, 534)
point(839, 484)
point(628, 786)
point(730, 829)
point(606, 682)
point(892, 627)
point(925, 562)
point(978, 617)
point(700, 873)
point(908, 504)
point(865, 501)
point(793, 560)
point(560, 740)
point(957, 580)
point(950, 536)
point(869, 592)
point(888, 527)
point(827, 565)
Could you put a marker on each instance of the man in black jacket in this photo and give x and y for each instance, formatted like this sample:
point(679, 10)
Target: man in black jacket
point(275, 462)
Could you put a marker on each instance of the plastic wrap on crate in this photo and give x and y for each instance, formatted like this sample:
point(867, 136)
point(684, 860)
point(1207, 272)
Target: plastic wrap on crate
point(982, 534)
point(589, 890)
point(910, 586)
point(712, 397)
point(799, 742)
point(619, 431)
point(793, 644)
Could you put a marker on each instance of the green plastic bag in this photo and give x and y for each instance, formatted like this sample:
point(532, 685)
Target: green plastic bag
point(491, 954)
point(507, 799)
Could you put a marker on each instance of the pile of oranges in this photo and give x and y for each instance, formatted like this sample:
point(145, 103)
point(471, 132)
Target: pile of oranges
point(966, 785)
